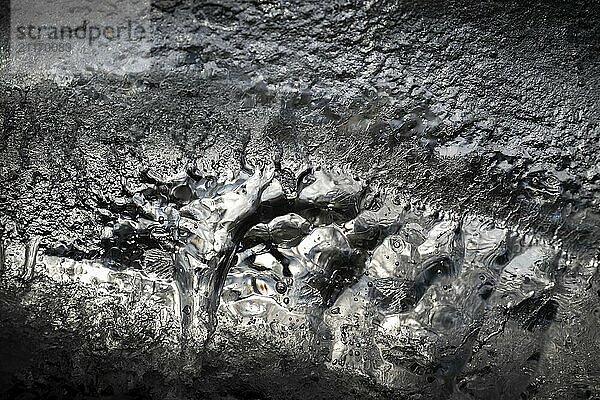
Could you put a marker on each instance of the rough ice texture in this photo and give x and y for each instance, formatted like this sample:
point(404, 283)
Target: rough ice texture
point(479, 112)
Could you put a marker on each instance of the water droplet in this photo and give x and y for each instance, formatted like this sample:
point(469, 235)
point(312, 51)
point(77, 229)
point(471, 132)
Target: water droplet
point(281, 288)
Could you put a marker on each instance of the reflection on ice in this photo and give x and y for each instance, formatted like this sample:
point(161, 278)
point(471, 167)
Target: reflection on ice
point(389, 288)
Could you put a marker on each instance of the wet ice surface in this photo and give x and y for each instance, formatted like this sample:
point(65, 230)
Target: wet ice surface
point(361, 280)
